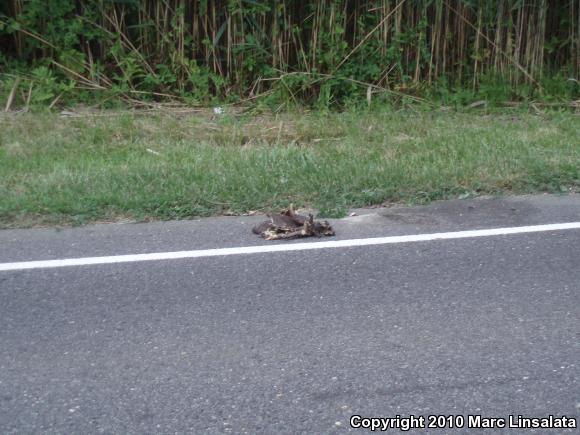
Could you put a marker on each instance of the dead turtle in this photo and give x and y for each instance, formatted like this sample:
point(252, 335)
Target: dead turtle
point(289, 225)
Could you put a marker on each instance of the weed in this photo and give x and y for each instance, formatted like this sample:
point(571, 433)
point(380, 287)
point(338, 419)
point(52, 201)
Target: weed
point(325, 53)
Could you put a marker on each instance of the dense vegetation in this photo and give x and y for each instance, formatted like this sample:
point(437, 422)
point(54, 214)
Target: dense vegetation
point(322, 52)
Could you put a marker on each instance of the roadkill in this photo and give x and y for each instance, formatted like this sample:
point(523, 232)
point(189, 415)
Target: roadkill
point(289, 225)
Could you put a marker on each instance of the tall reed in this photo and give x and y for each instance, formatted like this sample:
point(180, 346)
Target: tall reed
point(244, 46)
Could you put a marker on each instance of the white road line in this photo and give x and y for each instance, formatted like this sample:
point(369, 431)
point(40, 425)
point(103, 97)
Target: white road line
point(285, 247)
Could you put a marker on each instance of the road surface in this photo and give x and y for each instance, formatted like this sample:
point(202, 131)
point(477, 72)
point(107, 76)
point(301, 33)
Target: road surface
point(294, 341)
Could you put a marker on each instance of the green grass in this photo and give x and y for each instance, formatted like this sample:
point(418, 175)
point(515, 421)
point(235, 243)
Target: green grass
point(56, 170)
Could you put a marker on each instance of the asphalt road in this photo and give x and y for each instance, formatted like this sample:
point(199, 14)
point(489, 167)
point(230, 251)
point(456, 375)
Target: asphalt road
point(294, 342)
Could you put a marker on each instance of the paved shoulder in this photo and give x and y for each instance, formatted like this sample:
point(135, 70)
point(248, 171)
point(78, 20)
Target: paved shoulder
point(222, 232)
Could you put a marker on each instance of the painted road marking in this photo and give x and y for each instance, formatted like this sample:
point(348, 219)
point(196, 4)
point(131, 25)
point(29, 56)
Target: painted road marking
point(285, 247)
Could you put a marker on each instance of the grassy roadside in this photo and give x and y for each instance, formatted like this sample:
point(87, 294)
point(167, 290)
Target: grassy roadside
point(56, 170)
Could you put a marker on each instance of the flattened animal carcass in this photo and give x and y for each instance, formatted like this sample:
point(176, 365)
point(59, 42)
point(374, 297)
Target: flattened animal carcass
point(289, 225)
